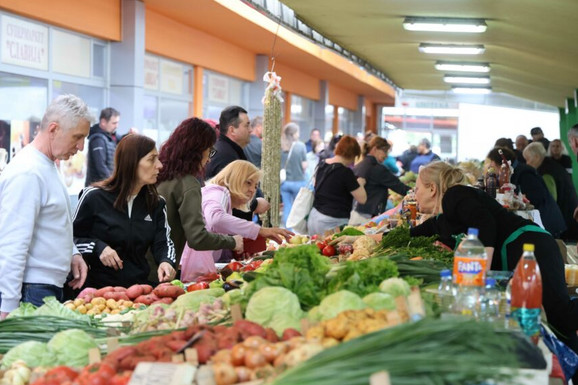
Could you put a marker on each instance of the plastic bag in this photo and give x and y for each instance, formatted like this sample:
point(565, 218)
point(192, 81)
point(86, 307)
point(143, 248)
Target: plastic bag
point(297, 219)
point(196, 263)
point(567, 357)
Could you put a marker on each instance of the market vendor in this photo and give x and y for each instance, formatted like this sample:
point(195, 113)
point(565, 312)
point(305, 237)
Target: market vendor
point(119, 219)
point(441, 191)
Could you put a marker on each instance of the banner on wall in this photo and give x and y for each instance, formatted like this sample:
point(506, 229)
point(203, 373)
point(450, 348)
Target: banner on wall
point(24, 44)
point(171, 77)
point(151, 73)
point(218, 89)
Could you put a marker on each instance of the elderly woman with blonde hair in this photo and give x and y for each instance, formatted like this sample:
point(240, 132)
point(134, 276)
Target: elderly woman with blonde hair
point(441, 191)
point(233, 187)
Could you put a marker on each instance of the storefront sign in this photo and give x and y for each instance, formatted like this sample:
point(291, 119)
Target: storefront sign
point(171, 77)
point(24, 43)
point(218, 89)
point(70, 54)
point(151, 73)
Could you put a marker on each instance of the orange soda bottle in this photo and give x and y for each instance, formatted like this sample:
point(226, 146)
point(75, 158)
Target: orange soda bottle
point(526, 302)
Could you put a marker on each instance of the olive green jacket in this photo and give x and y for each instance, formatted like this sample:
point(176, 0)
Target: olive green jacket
point(185, 216)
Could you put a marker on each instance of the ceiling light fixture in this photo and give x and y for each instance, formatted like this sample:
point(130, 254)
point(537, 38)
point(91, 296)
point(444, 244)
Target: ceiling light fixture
point(472, 90)
point(443, 24)
point(449, 66)
point(452, 49)
point(453, 79)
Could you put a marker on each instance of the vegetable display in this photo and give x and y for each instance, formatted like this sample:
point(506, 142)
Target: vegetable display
point(448, 352)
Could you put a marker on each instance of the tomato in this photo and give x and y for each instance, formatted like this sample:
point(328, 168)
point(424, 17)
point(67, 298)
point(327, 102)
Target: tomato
point(321, 245)
point(252, 266)
point(235, 266)
point(121, 378)
point(198, 286)
point(314, 237)
point(328, 251)
point(61, 373)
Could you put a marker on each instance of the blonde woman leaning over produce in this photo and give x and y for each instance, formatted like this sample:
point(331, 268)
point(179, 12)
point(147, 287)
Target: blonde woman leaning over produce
point(440, 191)
point(233, 187)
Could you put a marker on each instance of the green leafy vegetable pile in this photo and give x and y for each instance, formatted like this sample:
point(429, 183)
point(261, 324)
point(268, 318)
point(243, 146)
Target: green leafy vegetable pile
point(300, 269)
point(362, 277)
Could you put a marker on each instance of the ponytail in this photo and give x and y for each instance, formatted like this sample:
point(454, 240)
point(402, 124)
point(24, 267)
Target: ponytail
point(444, 176)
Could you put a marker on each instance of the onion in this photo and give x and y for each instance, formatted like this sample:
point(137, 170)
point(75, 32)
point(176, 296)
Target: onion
point(222, 357)
point(254, 359)
point(224, 374)
point(238, 355)
point(269, 351)
point(254, 342)
point(243, 373)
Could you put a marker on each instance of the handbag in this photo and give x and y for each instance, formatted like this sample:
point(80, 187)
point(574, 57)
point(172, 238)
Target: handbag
point(297, 218)
point(283, 172)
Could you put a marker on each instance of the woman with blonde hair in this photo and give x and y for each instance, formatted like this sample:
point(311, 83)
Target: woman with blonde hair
point(233, 187)
point(294, 161)
point(440, 191)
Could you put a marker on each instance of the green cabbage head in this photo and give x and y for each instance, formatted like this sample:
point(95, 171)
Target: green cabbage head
point(340, 301)
point(275, 307)
point(33, 353)
point(71, 347)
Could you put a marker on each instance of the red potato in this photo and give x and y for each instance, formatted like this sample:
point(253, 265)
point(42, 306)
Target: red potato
point(119, 289)
point(85, 291)
point(116, 295)
point(145, 299)
point(248, 328)
point(175, 346)
point(168, 291)
point(87, 297)
point(134, 291)
point(290, 333)
point(271, 335)
point(100, 292)
point(147, 289)
point(167, 300)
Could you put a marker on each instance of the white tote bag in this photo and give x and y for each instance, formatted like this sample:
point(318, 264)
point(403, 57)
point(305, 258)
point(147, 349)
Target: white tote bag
point(282, 172)
point(297, 219)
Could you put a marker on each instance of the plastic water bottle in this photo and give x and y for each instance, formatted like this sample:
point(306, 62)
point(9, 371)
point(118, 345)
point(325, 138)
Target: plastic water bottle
point(446, 291)
point(527, 294)
point(469, 274)
point(490, 303)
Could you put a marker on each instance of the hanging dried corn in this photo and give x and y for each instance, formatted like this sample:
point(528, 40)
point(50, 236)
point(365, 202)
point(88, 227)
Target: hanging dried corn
point(271, 163)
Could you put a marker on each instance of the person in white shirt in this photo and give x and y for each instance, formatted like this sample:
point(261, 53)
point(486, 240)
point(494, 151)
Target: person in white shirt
point(37, 252)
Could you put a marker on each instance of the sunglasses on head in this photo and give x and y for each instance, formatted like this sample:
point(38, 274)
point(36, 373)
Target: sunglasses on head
point(212, 152)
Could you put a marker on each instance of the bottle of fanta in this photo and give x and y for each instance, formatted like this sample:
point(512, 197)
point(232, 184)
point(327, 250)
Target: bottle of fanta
point(527, 294)
point(469, 274)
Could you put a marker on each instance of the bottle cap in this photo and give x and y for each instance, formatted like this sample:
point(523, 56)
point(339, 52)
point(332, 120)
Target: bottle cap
point(490, 281)
point(528, 247)
point(473, 231)
point(445, 273)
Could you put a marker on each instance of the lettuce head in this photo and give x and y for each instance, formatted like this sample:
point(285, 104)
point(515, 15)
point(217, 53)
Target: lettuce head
point(275, 307)
point(340, 301)
point(71, 347)
point(33, 353)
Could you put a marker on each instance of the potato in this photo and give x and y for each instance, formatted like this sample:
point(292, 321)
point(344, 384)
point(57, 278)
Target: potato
point(100, 307)
point(98, 301)
point(81, 309)
point(92, 311)
point(88, 306)
point(135, 291)
point(78, 302)
point(111, 304)
point(127, 303)
point(115, 311)
point(100, 292)
point(70, 305)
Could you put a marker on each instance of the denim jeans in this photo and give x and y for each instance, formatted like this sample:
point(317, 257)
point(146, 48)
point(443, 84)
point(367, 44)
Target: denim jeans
point(35, 293)
point(289, 190)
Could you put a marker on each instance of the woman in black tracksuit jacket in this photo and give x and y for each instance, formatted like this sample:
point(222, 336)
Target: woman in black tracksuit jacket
point(119, 219)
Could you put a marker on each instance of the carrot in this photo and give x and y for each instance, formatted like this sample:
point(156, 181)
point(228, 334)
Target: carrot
point(418, 258)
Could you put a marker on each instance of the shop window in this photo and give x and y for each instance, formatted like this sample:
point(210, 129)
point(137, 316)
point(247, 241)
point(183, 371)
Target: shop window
point(220, 91)
point(98, 60)
point(302, 113)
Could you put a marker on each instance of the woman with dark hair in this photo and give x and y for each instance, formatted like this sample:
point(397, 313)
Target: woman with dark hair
point(378, 180)
point(185, 155)
point(118, 219)
point(335, 188)
point(530, 183)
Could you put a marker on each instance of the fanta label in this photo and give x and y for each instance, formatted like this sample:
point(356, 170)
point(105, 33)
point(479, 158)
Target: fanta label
point(469, 271)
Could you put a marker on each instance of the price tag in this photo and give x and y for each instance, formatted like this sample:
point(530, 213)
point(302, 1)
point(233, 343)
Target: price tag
point(380, 378)
point(94, 356)
point(236, 312)
point(162, 373)
point(177, 359)
point(191, 356)
point(416, 306)
point(112, 344)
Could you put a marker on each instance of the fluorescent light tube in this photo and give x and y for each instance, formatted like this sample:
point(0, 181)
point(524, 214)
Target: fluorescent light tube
point(462, 67)
point(452, 49)
point(453, 79)
point(472, 90)
point(433, 24)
